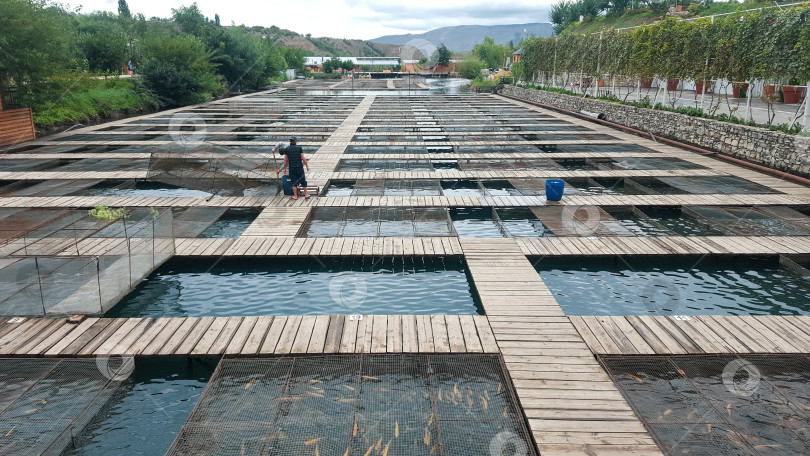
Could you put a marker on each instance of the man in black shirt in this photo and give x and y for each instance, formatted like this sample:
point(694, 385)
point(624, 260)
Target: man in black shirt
point(295, 160)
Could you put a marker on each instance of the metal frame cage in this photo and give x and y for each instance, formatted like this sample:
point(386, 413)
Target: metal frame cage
point(45, 404)
point(360, 404)
point(718, 404)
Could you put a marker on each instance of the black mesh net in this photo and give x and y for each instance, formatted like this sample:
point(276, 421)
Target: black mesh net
point(713, 405)
point(357, 405)
point(45, 403)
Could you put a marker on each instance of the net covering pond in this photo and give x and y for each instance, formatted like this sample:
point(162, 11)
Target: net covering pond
point(45, 403)
point(236, 286)
point(357, 405)
point(719, 405)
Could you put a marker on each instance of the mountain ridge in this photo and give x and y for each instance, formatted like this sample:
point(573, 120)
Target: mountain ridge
point(462, 38)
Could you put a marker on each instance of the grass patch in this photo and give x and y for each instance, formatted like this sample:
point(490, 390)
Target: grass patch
point(323, 75)
point(94, 99)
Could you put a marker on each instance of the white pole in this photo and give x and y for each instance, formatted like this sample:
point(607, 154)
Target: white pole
point(748, 101)
point(638, 91)
point(703, 92)
point(806, 123)
point(598, 66)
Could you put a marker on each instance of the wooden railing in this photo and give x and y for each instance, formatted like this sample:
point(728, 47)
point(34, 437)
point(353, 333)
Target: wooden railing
point(16, 126)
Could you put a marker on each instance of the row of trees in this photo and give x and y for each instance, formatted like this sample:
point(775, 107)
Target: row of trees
point(566, 12)
point(486, 54)
point(773, 44)
point(182, 60)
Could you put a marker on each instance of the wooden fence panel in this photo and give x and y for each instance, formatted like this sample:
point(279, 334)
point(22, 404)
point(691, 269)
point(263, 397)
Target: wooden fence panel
point(16, 126)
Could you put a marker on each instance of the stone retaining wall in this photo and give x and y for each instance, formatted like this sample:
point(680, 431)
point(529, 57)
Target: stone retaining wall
point(776, 150)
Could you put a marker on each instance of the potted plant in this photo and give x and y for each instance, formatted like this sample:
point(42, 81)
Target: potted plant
point(768, 90)
point(735, 88)
point(700, 86)
point(646, 83)
point(792, 92)
point(672, 84)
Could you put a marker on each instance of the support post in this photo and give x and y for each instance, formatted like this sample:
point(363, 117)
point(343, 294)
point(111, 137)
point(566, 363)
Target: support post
point(748, 101)
point(806, 123)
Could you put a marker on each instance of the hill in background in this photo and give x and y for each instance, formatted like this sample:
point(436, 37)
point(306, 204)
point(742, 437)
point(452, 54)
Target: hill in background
point(462, 38)
point(335, 47)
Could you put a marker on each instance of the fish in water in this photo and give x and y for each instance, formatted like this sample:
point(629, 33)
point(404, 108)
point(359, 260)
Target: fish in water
point(427, 436)
point(313, 441)
point(250, 382)
point(396, 429)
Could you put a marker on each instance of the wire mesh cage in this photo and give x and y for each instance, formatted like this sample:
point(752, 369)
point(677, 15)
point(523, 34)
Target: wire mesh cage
point(81, 263)
point(219, 171)
point(45, 403)
point(357, 405)
point(719, 404)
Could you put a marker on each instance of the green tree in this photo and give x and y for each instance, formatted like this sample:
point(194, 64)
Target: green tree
point(216, 20)
point(347, 65)
point(240, 56)
point(294, 57)
point(443, 55)
point(190, 19)
point(34, 42)
point(178, 70)
point(470, 68)
point(103, 41)
point(331, 65)
point(123, 9)
point(492, 54)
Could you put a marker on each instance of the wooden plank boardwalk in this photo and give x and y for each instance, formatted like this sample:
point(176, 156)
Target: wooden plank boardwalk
point(648, 335)
point(572, 405)
point(247, 336)
point(276, 238)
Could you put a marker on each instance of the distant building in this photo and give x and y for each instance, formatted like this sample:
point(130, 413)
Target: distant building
point(517, 55)
point(315, 63)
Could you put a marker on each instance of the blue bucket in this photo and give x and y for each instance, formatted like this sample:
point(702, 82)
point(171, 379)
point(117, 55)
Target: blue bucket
point(554, 189)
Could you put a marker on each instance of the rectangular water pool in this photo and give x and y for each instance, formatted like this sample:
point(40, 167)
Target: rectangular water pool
point(676, 285)
point(238, 286)
point(149, 410)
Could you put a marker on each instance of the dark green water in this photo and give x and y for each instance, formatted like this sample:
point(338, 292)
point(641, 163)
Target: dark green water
point(719, 405)
point(232, 223)
point(685, 285)
point(149, 412)
point(302, 286)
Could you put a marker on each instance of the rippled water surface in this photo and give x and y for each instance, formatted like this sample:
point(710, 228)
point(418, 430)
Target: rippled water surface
point(149, 411)
point(302, 286)
point(676, 286)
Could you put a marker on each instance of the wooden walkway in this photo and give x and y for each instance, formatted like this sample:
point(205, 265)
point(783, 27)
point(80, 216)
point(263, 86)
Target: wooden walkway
point(572, 405)
point(637, 335)
point(247, 336)
point(270, 239)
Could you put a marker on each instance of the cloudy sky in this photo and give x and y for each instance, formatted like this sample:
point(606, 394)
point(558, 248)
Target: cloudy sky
point(362, 19)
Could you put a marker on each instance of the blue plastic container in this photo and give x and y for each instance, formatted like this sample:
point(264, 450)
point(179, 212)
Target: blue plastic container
point(554, 189)
point(286, 184)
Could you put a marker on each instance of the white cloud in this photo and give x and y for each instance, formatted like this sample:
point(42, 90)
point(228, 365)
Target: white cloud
point(362, 19)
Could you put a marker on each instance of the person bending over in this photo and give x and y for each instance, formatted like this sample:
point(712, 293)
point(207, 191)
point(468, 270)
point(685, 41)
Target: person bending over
point(294, 160)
